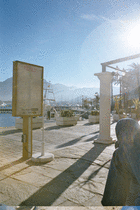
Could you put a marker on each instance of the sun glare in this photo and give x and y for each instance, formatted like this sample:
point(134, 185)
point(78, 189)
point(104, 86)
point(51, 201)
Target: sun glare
point(133, 36)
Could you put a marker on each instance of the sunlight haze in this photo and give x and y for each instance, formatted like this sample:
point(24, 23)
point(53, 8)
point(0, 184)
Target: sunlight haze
point(69, 38)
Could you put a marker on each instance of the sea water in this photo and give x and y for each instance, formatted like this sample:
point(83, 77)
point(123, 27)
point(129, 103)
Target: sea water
point(7, 120)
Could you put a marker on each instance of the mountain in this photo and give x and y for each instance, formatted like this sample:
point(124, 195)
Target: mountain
point(61, 92)
point(64, 93)
point(6, 90)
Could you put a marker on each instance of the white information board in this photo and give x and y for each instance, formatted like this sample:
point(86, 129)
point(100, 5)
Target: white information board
point(27, 97)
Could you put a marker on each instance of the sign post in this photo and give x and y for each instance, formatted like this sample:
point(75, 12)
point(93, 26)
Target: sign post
point(27, 100)
point(27, 137)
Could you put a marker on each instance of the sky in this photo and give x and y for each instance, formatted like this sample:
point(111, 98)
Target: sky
point(69, 38)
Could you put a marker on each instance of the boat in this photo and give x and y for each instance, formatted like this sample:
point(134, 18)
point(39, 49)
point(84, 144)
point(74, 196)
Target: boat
point(5, 108)
point(3, 104)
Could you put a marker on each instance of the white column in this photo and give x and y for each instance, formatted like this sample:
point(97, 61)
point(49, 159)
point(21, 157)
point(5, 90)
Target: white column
point(105, 106)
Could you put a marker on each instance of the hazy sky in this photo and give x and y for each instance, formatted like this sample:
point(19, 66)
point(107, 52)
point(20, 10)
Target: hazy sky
point(70, 38)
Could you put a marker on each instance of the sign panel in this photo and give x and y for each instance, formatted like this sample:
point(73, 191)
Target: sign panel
point(27, 97)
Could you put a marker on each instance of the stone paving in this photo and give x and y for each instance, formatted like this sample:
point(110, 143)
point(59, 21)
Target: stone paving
point(76, 177)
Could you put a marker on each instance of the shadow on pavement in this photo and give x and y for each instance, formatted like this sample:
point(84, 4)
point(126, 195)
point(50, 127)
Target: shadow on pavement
point(50, 192)
point(91, 176)
point(56, 127)
point(92, 138)
point(12, 164)
point(95, 132)
point(74, 141)
point(86, 124)
point(52, 128)
point(3, 133)
point(69, 143)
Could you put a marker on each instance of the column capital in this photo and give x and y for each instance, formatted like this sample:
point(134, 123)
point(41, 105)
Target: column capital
point(104, 75)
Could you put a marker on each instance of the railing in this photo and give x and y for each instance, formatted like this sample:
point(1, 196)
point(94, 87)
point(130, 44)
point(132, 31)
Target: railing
point(5, 110)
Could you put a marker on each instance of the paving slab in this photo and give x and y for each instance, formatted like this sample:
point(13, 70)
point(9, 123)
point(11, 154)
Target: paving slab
point(79, 196)
point(32, 178)
point(61, 163)
point(68, 203)
point(76, 177)
point(80, 208)
point(15, 191)
point(96, 200)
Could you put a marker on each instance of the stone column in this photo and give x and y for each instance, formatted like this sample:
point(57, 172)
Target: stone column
point(105, 106)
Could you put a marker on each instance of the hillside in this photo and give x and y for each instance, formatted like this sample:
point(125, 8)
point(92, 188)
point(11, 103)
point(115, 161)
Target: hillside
point(61, 92)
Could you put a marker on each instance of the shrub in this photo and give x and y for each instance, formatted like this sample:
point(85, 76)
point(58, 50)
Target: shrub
point(95, 113)
point(119, 112)
point(66, 113)
point(116, 99)
point(136, 103)
point(133, 111)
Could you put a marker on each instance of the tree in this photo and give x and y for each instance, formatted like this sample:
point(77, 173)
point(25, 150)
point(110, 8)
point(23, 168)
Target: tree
point(135, 74)
point(86, 103)
point(97, 100)
point(116, 99)
point(118, 80)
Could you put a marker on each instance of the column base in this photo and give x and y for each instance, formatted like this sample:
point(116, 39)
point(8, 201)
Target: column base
point(47, 157)
point(104, 141)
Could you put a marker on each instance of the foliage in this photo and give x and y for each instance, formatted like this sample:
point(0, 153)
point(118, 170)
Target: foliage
point(66, 113)
point(95, 113)
point(136, 103)
point(120, 112)
point(133, 78)
point(130, 81)
point(116, 99)
point(133, 110)
point(86, 103)
point(97, 99)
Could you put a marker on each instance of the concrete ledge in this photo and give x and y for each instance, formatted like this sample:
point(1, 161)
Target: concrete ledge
point(66, 121)
point(93, 119)
point(36, 123)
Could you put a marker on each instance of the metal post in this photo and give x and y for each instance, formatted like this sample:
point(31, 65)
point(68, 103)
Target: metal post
point(103, 68)
point(27, 132)
point(111, 94)
point(29, 137)
point(138, 84)
point(42, 151)
point(120, 91)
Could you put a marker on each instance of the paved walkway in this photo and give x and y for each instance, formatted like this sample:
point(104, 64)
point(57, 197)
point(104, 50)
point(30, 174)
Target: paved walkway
point(76, 177)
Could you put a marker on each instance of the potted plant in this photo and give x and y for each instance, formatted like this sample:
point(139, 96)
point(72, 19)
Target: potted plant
point(118, 113)
point(135, 112)
point(122, 114)
point(94, 116)
point(66, 117)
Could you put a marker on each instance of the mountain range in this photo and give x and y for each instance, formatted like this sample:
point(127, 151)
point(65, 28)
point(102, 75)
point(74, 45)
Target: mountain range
point(61, 92)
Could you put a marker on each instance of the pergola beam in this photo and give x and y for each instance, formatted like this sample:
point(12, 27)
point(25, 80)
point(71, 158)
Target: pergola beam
point(116, 68)
point(104, 65)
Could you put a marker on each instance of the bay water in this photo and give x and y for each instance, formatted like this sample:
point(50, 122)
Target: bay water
point(7, 120)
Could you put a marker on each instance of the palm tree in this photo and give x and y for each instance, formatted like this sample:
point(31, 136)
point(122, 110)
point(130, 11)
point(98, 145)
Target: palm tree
point(97, 99)
point(135, 69)
point(117, 80)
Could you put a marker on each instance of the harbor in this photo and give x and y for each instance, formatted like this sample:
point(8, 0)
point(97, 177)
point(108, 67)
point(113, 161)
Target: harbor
point(6, 108)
